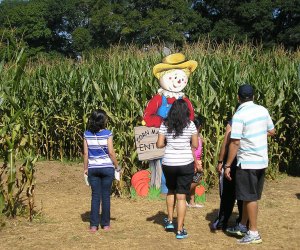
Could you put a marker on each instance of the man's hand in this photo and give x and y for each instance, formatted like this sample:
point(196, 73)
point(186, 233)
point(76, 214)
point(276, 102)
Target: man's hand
point(219, 167)
point(227, 174)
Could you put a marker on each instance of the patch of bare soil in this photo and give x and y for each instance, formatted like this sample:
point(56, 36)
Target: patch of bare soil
point(64, 204)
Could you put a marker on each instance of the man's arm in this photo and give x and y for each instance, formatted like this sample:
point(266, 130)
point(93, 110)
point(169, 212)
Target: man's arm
point(270, 126)
point(233, 149)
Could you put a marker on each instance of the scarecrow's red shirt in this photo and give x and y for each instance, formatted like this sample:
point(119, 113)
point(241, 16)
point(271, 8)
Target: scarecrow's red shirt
point(150, 114)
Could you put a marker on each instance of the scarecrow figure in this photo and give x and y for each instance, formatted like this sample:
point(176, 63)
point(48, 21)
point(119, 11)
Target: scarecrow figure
point(172, 74)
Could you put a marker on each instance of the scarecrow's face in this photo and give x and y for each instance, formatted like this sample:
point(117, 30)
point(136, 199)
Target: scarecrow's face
point(174, 80)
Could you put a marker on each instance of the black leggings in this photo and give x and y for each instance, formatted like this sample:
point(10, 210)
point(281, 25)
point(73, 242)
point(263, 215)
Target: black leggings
point(227, 194)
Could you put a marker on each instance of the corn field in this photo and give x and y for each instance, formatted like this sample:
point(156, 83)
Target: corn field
point(45, 104)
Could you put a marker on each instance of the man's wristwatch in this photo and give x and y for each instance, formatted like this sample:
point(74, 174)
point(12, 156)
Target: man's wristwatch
point(226, 166)
point(220, 162)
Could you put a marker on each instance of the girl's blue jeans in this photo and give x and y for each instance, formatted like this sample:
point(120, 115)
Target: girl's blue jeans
point(100, 180)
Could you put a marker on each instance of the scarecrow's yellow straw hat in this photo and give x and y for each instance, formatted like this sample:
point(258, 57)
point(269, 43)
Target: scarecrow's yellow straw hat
point(174, 61)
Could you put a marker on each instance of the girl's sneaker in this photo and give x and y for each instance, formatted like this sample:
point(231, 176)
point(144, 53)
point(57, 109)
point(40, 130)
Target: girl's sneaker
point(181, 234)
point(197, 205)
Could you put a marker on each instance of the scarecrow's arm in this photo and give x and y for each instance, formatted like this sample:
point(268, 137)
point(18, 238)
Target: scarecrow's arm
point(150, 117)
point(192, 115)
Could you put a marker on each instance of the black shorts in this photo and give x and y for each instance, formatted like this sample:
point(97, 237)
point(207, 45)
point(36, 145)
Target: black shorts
point(179, 178)
point(249, 184)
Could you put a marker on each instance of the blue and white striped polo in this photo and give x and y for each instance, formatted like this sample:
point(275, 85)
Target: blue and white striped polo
point(250, 124)
point(97, 149)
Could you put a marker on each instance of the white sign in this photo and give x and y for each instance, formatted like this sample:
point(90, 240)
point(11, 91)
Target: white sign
point(145, 141)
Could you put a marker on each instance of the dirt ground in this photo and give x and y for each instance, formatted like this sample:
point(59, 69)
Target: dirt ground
point(63, 203)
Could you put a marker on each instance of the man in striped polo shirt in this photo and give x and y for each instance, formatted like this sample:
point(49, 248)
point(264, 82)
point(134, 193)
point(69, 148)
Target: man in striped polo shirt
point(251, 124)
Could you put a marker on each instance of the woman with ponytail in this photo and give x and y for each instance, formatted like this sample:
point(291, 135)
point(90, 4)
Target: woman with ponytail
point(179, 135)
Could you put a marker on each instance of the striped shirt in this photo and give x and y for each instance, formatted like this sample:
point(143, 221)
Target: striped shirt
point(97, 149)
point(250, 124)
point(178, 151)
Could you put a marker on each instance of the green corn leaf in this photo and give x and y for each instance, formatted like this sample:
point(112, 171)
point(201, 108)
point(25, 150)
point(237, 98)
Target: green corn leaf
point(2, 201)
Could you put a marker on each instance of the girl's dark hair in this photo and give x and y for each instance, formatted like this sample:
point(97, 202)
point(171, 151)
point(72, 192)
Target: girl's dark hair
point(97, 121)
point(199, 120)
point(178, 117)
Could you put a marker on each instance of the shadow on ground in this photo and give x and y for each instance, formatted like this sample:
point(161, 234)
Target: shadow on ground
point(158, 218)
point(211, 216)
point(85, 217)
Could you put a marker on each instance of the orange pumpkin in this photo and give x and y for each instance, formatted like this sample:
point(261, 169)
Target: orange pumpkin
point(143, 174)
point(137, 181)
point(142, 189)
point(140, 182)
point(200, 190)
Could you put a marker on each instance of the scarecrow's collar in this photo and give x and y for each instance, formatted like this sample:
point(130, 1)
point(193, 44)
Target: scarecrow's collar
point(170, 94)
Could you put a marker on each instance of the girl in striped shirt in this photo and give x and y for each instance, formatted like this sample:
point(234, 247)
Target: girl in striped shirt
point(99, 164)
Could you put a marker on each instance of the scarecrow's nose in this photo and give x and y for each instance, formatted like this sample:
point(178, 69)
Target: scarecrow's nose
point(179, 81)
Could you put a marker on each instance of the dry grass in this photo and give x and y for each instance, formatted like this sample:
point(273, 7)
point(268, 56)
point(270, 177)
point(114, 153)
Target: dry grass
point(64, 202)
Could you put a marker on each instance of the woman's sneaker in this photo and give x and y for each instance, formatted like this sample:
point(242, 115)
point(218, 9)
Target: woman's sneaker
point(168, 224)
point(238, 230)
point(93, 229)
point(181, 234)
point(106, 228)
point(250, 239)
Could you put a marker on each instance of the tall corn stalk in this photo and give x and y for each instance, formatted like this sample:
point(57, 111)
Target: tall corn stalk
point(14, 180)
point(57, 96)
point(15, 139)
